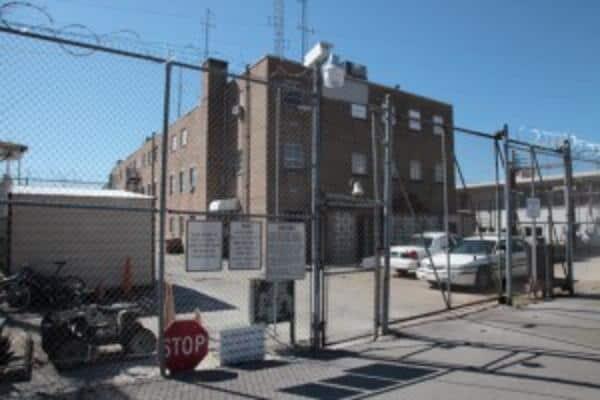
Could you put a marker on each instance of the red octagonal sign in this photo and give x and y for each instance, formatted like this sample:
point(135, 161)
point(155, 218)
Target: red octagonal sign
point(186, 344)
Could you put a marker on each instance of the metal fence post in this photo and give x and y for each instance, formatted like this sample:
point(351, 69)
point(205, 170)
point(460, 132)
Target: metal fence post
point(446, 221)
point(570, 214)
point(162, 219)
point(376, 224)
point(387, 210)
point(316, 326)
point(498, 211)
point(534, 262)
point(508, 217)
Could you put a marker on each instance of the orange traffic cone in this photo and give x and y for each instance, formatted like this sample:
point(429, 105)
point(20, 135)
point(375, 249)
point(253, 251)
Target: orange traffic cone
point(127, 280)
point(169, 304)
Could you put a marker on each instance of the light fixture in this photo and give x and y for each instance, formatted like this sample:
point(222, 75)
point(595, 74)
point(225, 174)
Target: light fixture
point(357, 189)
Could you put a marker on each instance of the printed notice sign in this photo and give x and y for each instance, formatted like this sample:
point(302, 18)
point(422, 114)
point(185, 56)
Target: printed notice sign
point(204, 246)
point(245, 246)
point(533, 207)
point(286, 251)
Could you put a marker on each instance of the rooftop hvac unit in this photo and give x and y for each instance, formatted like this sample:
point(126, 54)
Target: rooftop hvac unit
point(355, 70)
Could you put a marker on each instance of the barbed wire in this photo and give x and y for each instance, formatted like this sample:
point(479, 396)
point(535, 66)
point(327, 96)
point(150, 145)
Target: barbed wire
point(580, 148)
point(82, 32)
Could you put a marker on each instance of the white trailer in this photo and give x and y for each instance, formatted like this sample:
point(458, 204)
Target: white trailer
point(94, 231)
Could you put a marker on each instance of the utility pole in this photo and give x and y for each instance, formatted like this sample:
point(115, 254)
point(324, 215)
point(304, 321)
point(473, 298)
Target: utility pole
point(303, 27)
point(279, 27)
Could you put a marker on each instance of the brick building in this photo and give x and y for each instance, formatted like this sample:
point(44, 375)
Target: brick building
point(222, 153)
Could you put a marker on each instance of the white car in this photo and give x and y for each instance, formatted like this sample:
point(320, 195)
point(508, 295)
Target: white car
point(474, 263)
point(406, 258)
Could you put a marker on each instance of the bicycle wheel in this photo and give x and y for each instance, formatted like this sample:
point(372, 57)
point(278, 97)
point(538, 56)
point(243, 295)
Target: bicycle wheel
point(74, 289)
point(18, 296)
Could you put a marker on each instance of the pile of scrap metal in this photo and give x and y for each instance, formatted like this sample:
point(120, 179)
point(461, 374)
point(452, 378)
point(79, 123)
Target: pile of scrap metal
point(15, 364)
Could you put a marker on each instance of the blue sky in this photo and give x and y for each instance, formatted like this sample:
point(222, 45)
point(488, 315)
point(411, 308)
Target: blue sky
point(530, 64)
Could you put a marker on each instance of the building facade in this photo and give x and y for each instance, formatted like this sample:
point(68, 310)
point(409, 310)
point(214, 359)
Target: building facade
point(246, 148)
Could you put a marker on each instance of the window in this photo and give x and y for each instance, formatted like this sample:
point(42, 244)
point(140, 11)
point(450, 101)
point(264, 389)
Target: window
point(437, 121)
point(292, 97)
point(414, 120)
point(438, 173)
point(174, 143)
point(149, 189)
point(181, 226)
point(181, 182)
point(171, 184)
point(415, 170)
point(359, 164)
point(293, 156)
point(193, 179)
point(154, 188)
point(184, 137)
point(171, 224)
point(143, 160)
point(155, 154)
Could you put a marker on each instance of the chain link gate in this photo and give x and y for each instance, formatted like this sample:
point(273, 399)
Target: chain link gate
point(179, 143)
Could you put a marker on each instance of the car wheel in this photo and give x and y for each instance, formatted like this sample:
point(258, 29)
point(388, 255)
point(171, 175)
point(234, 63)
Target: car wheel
point(483, 279)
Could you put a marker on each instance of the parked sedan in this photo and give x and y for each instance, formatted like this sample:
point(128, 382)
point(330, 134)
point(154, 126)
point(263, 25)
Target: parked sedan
point(406, 258)
point(474, 263)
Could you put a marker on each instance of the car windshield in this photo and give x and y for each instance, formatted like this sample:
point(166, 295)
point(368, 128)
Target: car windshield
point(418, 241)
point(474, 247)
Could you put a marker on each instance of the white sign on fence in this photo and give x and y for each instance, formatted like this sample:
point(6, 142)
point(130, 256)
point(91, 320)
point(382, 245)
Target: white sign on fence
point(204, 246)
point(286, 251)
point(533, 207)
point(245, 246)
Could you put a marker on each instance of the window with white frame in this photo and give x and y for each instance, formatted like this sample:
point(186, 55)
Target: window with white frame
point(174, 143)
point(181, 182)
point(171, 224)
point(359, 164)
point(171, 184)
point(415, 170)
point(438, 121)
point(438, 173)
point(184, 137)
point(414, 120)
point(193, 179)
point(293, 156)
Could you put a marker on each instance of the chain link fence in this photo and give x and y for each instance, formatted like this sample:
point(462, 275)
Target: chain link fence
point(274, 212)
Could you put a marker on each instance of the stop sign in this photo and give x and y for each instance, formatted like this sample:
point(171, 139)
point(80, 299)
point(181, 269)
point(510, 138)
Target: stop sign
point(186, 344)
